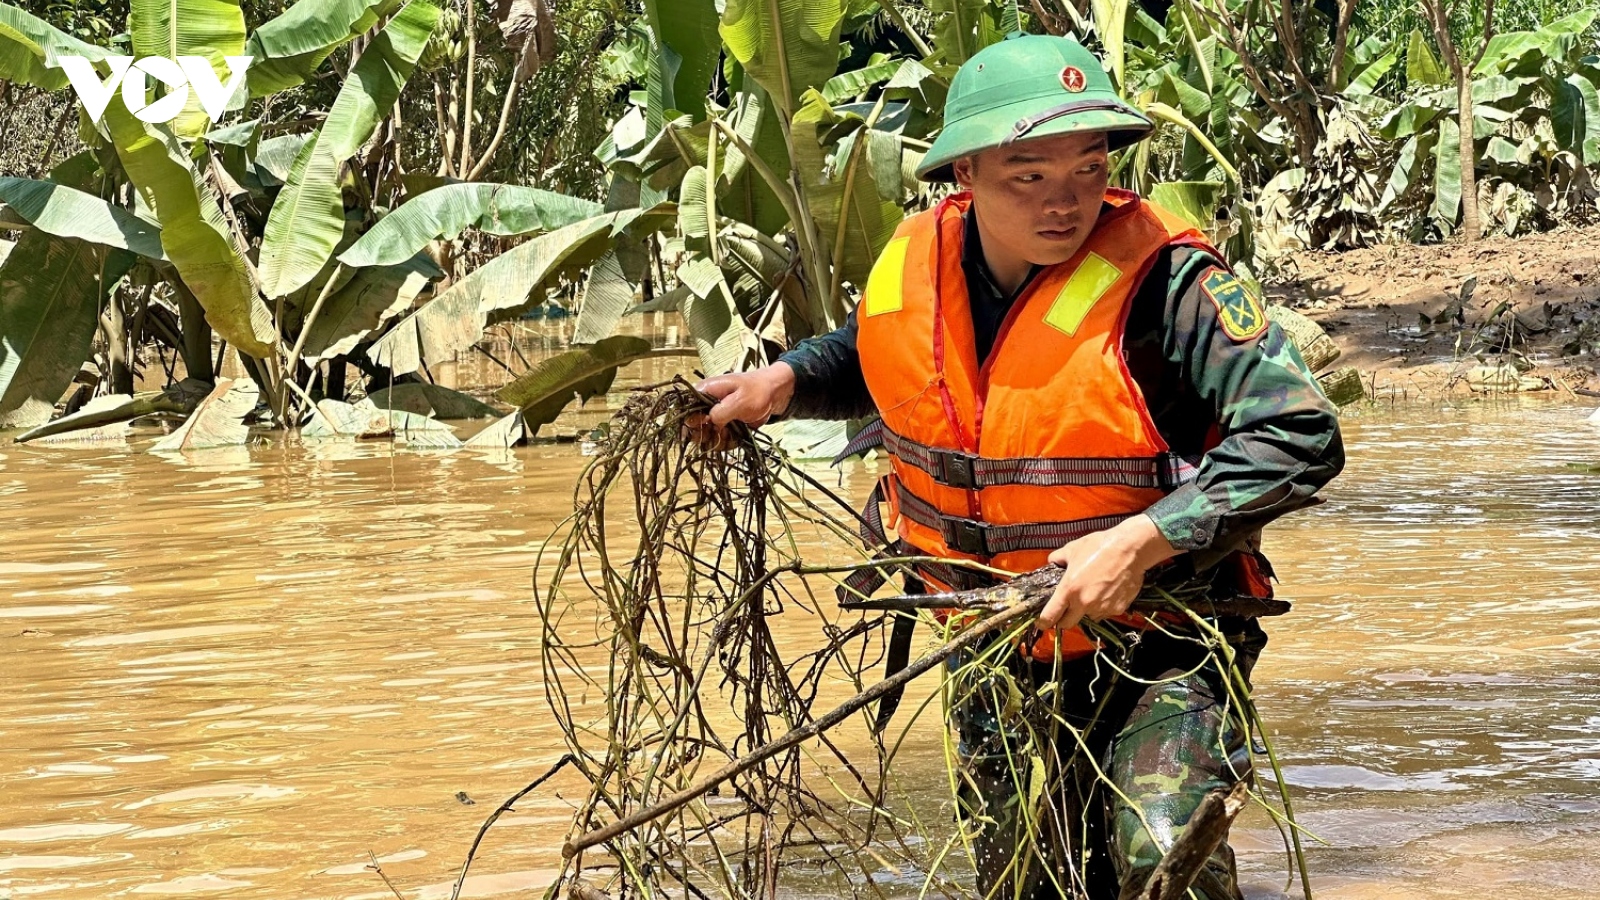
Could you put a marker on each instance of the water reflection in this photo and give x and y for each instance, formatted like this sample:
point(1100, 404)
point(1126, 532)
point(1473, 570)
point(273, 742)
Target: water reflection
point(237, 676)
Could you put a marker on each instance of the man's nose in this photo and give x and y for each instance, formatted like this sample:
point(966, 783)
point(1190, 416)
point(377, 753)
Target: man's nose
point(1062, 201)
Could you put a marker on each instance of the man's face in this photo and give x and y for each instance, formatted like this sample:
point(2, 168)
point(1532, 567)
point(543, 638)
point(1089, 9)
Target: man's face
point(1038, 199)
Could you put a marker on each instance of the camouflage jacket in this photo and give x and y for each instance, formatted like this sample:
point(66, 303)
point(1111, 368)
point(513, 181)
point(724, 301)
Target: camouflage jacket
point(1209, 373)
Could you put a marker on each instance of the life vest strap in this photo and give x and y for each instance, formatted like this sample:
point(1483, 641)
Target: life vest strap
point(968, 471)
point(988, 539)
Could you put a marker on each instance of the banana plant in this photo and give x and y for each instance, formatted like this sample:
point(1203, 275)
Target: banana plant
point(788, 188)
point(1185, 78)
point(200, 257)
point(1536, 122)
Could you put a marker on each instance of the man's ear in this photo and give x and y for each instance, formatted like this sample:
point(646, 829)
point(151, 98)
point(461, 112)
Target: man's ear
point(963, 168)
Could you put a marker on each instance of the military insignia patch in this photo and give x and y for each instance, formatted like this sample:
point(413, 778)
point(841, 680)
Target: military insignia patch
point(1242, 316)
point(1073, 79)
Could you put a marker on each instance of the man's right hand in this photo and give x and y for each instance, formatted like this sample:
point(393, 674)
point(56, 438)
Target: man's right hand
point(748, 397)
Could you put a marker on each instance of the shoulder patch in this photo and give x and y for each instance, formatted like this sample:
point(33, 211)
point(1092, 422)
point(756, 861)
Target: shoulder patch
point(1242, 316)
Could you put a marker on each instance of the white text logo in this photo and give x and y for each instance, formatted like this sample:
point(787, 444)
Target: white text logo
point(180, 76)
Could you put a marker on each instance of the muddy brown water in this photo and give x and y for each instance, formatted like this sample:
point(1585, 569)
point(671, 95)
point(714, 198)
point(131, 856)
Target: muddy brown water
point(238, 673)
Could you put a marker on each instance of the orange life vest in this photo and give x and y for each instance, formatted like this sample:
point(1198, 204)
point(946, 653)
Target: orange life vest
point(1050, 438)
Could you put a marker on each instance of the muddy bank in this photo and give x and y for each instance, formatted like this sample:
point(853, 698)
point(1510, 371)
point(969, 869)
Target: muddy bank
point(1421, 322)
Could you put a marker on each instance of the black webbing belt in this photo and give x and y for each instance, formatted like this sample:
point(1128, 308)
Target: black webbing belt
point(956, 469)
point(985, 539)
point(988, 539)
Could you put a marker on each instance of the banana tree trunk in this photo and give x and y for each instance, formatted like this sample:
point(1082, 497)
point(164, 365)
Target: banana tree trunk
point(114, 325)
point(333, 385)
point(196, 347)
point(1471, 224)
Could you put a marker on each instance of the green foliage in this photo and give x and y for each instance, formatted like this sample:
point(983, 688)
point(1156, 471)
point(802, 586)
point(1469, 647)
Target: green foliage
point(307, 221)
point(586, 372)
point(1534, 107)
point(318, 226)
point(53, 289)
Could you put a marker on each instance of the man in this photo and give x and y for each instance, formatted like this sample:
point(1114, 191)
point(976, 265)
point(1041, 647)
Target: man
point(1068, 374)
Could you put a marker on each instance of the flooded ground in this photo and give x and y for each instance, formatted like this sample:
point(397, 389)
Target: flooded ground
point(242, 672)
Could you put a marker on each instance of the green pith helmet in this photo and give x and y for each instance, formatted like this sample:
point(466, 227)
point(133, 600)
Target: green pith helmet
point(1028, 86)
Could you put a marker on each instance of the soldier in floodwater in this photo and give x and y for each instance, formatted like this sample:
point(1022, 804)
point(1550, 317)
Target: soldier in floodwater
point(1068, 374)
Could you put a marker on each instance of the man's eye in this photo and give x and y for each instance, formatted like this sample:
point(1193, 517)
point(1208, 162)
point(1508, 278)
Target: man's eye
point(1030, 178)
point(1091, 169)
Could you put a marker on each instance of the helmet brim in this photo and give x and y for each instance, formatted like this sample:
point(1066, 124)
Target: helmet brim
point(987, 130)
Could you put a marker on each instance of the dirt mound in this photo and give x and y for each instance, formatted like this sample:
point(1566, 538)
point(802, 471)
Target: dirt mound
point(1499, 314)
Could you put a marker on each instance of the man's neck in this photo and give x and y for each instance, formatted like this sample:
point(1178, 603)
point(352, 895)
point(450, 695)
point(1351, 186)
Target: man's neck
point(1009, 272)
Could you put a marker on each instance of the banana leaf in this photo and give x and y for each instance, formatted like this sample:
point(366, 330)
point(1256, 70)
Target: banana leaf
point(81, 171)
point(217, 422)
point(372, 297)
point(1446, 206)
point(50, 296)
point(275, 158)
point(713, 319)
point(444, 212)
point(963, 27)
point(307, 220)
point(213, 29)
point(583, 373)
point(291, 47)
point(1195, 201)
point(695, 207)
point(848, 85)
point(455, 319)
point(1110, 22)
point(1526, 52)
point(1365, 81)
point(688, 32)
point(68, 213)
point(606, 296)
point(424, 399)
point(1422, 67)
point(336, 419)
point(505, 433)
point(1407, 168)
point(1575, 115)
point(193, 233)
point(787, 46)
point(29, 47)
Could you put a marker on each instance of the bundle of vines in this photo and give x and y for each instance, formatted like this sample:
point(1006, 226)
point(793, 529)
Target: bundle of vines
point(718, 701)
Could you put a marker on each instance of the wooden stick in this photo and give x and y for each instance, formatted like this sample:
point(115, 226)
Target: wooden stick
point(1244, 607)
point(1041, 583)
point(1183, 863)
point(969, 635)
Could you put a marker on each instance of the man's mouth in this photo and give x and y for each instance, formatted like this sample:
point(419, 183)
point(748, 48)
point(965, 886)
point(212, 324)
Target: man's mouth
point(1057, 234)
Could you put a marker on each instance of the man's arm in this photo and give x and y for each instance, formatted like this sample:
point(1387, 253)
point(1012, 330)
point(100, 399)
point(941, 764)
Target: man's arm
point(828, 383)
point(1280, 440)
point(819, 379)
point(1279, 444)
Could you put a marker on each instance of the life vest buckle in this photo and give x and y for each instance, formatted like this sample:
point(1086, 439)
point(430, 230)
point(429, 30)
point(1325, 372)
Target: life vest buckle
point(966, 536)
point(955, 469)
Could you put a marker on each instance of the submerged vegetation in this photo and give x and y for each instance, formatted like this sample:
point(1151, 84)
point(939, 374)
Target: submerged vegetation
point(399, 179)
point(719, 763)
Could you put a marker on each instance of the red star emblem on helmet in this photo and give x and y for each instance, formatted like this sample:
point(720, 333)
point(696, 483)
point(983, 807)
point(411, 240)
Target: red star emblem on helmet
point(1072, 78)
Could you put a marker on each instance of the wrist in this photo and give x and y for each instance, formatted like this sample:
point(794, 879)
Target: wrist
point(1143, 542)
point(783, 381)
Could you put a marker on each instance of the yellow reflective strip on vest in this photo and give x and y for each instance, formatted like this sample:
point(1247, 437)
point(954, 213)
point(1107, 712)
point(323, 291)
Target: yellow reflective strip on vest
point(1093, 277)
point(888, 274)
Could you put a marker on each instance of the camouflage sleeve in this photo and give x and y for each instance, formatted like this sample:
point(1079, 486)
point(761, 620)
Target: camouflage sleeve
point(828, 383)
point(1279, 436)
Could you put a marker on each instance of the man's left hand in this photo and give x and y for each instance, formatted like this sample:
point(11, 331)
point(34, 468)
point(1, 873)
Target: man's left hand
point(1105, 571)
